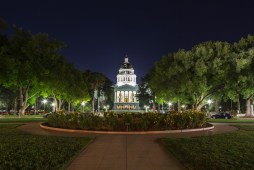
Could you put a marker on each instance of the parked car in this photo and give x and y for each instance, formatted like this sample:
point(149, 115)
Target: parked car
point(222, 115)
point(3, 112)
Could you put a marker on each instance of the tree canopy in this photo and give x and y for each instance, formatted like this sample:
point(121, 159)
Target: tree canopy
point(32, 66)
point(208, 69)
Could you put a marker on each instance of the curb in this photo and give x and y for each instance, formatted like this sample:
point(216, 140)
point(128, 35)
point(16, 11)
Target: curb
point(124, 133)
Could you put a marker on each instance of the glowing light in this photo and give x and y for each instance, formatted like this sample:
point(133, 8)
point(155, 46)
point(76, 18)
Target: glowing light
point(44, 101)
point(209, 101)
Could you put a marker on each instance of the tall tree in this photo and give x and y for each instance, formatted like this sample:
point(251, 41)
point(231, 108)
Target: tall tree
point(191, 76)
point(25, 59)
point(145, 94)
point(96, 81)
point(244, 68)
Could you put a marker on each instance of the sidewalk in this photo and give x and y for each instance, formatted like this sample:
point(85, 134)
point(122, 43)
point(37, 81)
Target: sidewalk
point(125, 152)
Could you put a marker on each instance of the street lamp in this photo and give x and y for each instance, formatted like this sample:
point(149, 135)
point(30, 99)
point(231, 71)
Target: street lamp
point(209, 101)
point(106, 107)
point(169, 105)
point(220, 108)
point(146, 107)
point(44, 101)
point(83, 105)
point(183, 106)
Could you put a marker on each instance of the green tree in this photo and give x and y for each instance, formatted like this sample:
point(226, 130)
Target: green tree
point(24, 63)
point(145, 94)
point(191, 76)
point(108, 92)
point(96, 81)
point(243, 70)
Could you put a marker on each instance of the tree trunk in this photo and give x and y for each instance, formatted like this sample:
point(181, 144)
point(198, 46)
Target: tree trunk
point(15, 106)
point(178, 105)
point(23, 100)
point(231, 106)
point(248, 107)
point(56, 104)
point(93, 105)
point(216, 106)
point(60, 104)
point(69, 107)
point(154, 106)
point(35, 106)
point(199, 107)
point(72, 108)
point(98, 104)
point(238, 105)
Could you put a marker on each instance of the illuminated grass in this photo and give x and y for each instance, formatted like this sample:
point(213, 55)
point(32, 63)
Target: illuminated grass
point(222, 151)
point(20, 150)
point(234, 120)
point(26, 118)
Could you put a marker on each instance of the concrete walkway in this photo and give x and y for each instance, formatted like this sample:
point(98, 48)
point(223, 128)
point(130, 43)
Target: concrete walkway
point(125, 152)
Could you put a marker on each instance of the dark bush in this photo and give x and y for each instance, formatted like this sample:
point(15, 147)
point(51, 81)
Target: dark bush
point(136, 121)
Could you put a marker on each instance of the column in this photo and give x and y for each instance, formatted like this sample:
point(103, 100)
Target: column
point(128, 97)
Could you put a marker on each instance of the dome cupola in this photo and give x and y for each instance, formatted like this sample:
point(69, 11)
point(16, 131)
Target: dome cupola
point(126, 74)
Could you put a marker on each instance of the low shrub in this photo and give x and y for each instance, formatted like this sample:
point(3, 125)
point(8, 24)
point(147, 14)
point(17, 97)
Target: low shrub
point(135, 121)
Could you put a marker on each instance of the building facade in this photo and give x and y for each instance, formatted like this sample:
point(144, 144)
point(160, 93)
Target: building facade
point(125, 90)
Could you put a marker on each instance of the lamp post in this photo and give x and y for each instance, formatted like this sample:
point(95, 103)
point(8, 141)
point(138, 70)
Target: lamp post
point(183, 106)
point(209, 101)
point(44, 101)
point(145, 106)
point(169, 105)
point(220, 108)
point(83, 105)
point(106, 107)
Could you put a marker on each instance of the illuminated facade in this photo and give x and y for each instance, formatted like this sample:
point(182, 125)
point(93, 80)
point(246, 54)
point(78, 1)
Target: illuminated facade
point(125, 91)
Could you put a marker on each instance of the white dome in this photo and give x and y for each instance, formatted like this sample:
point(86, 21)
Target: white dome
point(126, 74)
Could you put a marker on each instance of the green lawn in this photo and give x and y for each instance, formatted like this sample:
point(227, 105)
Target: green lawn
point(21, 150)
point(221, 151)
point(25, 118)
point(234, 120)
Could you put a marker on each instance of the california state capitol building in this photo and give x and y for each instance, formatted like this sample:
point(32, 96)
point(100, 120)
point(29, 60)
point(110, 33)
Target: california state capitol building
point(126, 88)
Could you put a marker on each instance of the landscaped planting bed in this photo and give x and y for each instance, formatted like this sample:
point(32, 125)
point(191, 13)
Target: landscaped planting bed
point(20, 150)
point(222, 151)
point(136, 121)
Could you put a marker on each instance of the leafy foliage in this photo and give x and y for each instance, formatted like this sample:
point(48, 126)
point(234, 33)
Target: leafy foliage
point(136, 121)
point(209, 69)
point(32, 66)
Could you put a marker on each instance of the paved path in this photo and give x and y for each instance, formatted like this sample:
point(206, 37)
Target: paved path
point(125, 152)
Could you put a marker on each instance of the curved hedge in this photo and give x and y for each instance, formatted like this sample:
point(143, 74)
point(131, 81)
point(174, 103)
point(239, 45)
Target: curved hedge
point(137, 121)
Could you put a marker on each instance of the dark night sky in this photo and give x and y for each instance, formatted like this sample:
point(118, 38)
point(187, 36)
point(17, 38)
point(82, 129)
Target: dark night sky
point(100, 33)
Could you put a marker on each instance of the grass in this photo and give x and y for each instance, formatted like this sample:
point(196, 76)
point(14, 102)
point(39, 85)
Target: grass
point(25, 118)
point(20, 150)
point(221, 151)
point(234, 120)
